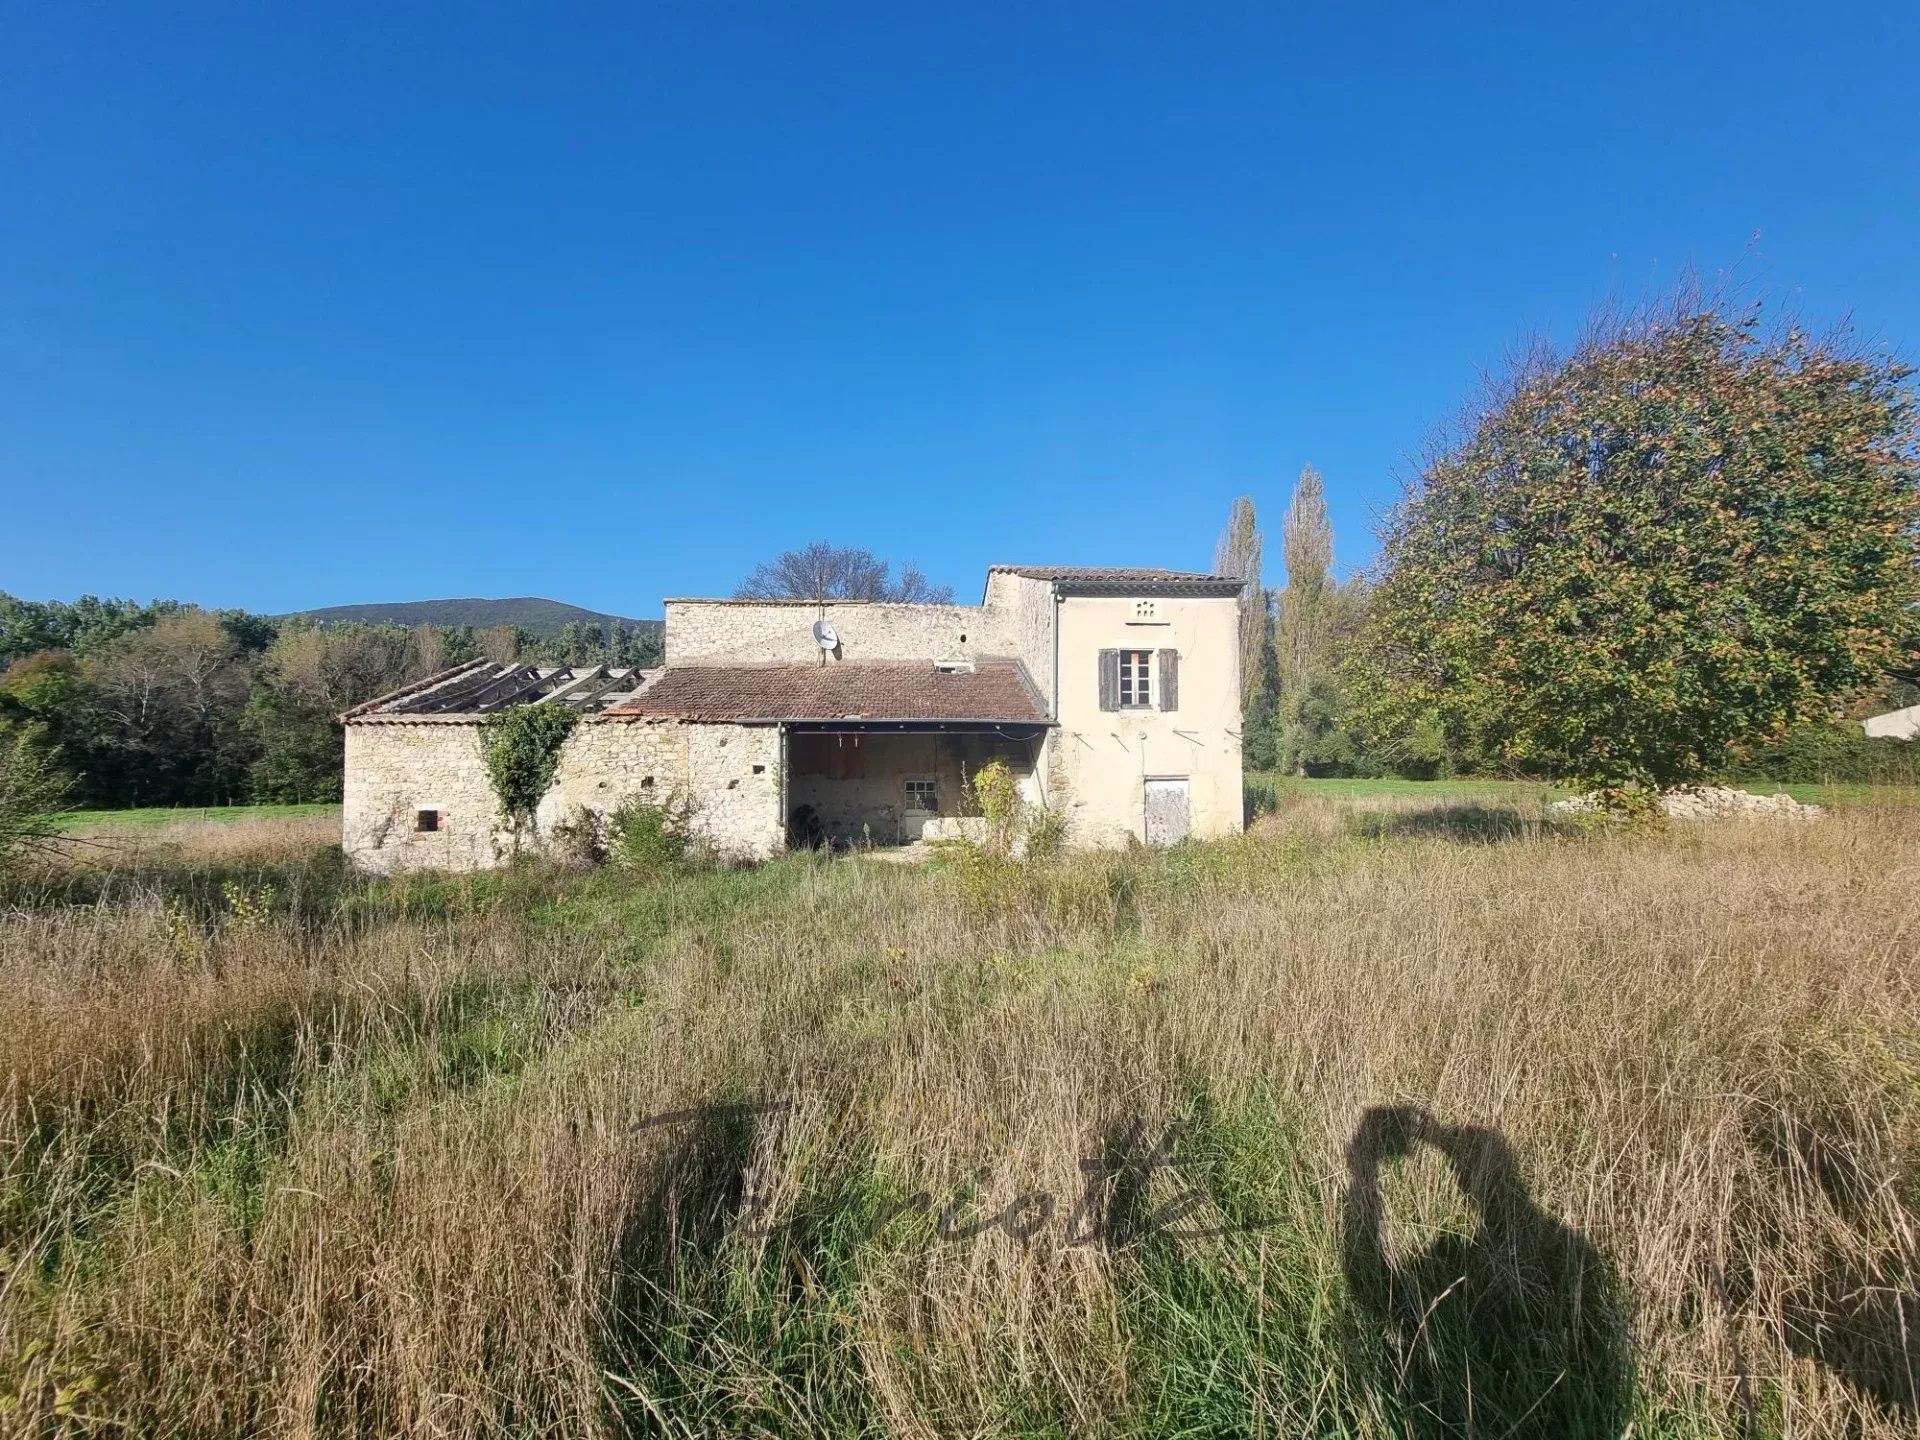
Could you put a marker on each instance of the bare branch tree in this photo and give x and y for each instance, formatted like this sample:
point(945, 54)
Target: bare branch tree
point(822, 571)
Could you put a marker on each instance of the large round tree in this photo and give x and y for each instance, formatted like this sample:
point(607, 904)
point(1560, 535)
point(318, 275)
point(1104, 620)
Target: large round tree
point(1684, 537)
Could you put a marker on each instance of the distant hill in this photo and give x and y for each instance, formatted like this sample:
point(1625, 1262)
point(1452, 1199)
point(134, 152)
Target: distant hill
point(534, 615)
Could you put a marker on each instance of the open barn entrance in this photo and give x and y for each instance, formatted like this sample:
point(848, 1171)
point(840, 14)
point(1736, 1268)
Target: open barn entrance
point(867, 786)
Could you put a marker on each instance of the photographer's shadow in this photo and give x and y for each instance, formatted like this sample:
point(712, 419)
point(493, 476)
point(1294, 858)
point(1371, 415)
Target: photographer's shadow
point(1516, 1330)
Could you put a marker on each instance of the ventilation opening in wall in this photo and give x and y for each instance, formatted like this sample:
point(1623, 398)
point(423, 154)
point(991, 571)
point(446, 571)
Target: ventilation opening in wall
point(759, 769)
point(426, 821)
point(963, 637)
point(646, 782)
point(1143, 609)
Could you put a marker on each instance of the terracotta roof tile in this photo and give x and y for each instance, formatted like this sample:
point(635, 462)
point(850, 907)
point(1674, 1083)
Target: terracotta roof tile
point(840, 692)
point(1116, 578)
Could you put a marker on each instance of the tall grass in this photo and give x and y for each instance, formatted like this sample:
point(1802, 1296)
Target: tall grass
point(1408, 1122)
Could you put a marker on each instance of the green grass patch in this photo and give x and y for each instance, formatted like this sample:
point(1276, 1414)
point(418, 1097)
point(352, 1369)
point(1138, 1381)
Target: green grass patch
point(214, 814)
point(1529, 792)
point(1437, 790)
point(1838, 794)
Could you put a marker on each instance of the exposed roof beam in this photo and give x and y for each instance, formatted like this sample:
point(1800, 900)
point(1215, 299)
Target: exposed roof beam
point(580, 680)
point(412, 698)
point(534, 680)
point(613, 680)
point(454, 696)
point(487, 685)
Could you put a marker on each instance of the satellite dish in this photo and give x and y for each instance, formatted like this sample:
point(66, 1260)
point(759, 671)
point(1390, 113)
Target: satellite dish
point(824, 636)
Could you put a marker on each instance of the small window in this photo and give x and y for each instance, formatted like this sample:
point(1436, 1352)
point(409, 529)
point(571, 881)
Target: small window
point(923, 797)
point(1136, 683)
point(426, 821)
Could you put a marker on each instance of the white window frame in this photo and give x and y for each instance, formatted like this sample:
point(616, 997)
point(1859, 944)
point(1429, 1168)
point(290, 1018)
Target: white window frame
point(931, 785)
point(1135, 690)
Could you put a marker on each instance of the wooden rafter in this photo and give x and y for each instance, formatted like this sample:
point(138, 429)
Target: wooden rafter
point(608, 683)
point(486, 686)
point(454, 696)
point(533, 683)
point(419, 698)
point(580, 680)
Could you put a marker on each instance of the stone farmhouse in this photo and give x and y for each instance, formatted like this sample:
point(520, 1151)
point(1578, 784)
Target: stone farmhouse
point(1112, 694)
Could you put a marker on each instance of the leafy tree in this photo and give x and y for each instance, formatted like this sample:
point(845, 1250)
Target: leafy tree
point(1304, 626)
point(50, 696)
point(250, 633)
point(309, 677)
point(338, 666)
point(1239, 554)
point(174, 692)
point(580, 642)
point(821, 571)
point(31, 790)
point(458, 645)
point(583, 642)
point(82, 627)
point(505, 643)
point(631, 647)
point(299, 750)
point(1685, 536)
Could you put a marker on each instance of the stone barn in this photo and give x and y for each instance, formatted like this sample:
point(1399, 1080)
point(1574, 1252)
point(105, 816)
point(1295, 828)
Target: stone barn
point(1112, 695)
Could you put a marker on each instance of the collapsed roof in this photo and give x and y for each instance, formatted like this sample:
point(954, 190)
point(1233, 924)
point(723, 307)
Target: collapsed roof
point(482, 687)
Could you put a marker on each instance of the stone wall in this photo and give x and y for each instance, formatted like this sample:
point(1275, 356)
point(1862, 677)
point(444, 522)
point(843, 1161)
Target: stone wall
point(737, 632)
point(730, 773)
point(1029, 607)
point(871, 806)
point(394, 772)
point(733, 775)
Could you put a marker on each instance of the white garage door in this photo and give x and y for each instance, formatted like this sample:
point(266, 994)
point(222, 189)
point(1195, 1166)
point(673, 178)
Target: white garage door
point(1166, 811)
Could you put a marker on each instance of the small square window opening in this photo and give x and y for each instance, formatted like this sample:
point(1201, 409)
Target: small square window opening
point(923, 796)
point(426, 821)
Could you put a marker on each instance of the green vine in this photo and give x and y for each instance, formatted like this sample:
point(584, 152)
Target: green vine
point(522, 748)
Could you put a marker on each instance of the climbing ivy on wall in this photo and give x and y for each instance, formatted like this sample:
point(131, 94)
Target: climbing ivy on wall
point(522, 749)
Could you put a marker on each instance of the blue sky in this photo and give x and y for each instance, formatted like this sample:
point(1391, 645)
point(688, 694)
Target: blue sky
point(350, 303)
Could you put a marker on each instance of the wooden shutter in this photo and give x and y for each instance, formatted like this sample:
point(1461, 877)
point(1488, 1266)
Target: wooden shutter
point(1169, 679)
point(1109, 679)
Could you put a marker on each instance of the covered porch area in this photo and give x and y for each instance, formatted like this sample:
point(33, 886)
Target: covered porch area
point(864, 784)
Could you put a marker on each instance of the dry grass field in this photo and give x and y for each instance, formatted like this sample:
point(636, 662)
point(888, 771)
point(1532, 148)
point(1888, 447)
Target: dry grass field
point(1387, 1119)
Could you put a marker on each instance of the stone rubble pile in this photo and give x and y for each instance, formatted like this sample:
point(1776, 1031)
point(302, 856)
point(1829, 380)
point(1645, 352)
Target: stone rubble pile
point(1710, 802)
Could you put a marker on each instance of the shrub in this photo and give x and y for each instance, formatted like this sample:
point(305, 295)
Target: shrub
point(522, 748)
point(31, 789)
point(649, 839)
point(1046, 836)
point(1829, 753)
point(995, 793)
point(579, 840)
